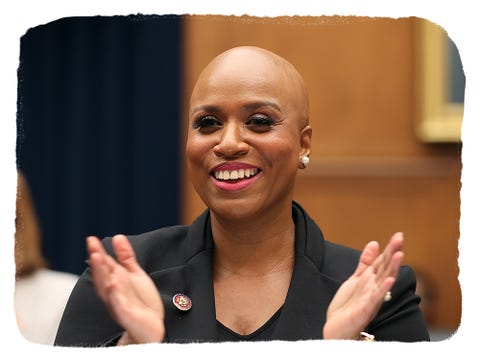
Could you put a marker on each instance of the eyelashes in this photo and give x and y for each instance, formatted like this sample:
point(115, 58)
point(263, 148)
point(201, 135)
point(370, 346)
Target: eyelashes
point(206, 122)
point(260, 121)
point(256, 123)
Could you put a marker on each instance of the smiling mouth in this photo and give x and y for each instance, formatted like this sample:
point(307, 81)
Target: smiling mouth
point(235, 175)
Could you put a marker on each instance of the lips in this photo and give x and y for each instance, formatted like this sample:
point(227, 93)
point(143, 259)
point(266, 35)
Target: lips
point(234, 176)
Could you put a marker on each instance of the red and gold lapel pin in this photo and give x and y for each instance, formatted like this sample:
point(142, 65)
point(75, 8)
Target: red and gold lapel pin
point(182, 302)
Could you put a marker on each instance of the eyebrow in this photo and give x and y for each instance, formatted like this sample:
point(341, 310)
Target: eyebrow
point(257, 104)
point(249, 106)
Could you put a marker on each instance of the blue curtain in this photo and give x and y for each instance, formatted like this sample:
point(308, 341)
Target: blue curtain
point(99, 128)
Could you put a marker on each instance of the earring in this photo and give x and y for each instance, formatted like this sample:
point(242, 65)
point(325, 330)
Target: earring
point(304, 162)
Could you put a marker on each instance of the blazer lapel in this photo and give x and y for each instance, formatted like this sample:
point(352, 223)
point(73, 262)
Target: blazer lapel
point(194, 279)
point(310, 289)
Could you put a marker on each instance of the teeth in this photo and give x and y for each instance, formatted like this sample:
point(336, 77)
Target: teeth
point(235, 174)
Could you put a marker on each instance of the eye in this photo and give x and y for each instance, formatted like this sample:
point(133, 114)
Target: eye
point(260, 123)
point(206, 124)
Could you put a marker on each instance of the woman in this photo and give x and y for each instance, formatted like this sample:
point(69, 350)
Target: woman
point(254, 266)
point(40, 292)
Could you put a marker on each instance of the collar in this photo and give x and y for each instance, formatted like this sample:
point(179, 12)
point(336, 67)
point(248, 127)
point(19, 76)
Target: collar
point(303, 313)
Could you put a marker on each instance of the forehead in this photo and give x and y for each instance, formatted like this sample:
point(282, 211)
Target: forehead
point(247, 71)
point(242, 72)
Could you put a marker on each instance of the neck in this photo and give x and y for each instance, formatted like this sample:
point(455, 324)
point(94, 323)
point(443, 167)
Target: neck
point(259, 246)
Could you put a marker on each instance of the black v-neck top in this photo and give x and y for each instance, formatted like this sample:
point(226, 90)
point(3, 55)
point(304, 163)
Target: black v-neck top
point(179, 260)
point(262, 333)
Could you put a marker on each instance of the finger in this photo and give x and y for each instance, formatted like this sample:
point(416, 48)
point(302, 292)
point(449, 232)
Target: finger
point(96, 253)
point(388, 263)
point(368, 256)
point(124, 253)
point(101, 265)
point(397, 239)
point(98, 273)
point(378, 296)
point(370, 285)
point(395, 244)
point(392, 270)
point(394, 265)
point(94, 245)
point(383, 272)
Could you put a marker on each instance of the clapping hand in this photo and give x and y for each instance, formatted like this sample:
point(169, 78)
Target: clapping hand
point(128, 292)
point(359, 298)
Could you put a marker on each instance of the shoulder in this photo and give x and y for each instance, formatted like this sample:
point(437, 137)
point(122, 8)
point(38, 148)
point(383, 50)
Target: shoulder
point(401, 318)
point(170, 246)
point(158, 249)
point(160, 240)
point(54, 276)
point(339, 261)
point(48, 281)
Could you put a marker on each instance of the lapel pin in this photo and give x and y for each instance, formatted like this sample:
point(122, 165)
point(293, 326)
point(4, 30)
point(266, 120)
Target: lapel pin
point(182, 302)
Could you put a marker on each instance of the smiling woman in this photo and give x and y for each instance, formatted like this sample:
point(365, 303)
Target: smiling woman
point(248, 137)
point(244, 119)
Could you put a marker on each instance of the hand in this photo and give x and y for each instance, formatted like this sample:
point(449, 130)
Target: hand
point(359, 298)
point(128, 292)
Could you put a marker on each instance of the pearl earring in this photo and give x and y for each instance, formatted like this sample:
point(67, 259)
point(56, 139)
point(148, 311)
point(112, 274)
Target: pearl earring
point(304, 162)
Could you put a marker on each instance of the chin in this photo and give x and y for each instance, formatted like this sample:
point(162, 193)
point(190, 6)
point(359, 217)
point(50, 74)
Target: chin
point(235, 209)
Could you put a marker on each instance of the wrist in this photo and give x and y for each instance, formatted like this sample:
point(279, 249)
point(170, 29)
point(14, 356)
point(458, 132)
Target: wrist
point(127, 339)
point(330, 333)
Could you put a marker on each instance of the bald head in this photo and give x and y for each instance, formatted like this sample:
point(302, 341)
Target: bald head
point(248, 110)
point(255, 62)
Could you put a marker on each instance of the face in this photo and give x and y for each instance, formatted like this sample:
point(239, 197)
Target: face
point(247, 133)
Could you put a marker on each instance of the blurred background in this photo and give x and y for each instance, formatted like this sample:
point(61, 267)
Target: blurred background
point(102, 110)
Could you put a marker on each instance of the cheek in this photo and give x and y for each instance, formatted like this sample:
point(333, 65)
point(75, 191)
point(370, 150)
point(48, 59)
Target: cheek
point(196, 152)
point(281, 151)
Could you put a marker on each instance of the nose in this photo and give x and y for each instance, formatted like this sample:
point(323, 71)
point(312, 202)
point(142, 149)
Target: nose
point(231, 142)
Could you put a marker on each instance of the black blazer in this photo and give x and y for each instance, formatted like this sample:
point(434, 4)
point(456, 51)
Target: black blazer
point(179, 260)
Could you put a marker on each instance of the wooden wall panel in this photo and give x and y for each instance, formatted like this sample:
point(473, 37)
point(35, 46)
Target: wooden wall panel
point(369, 175)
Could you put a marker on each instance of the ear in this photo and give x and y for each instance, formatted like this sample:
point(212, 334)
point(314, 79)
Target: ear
point(305, 141)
